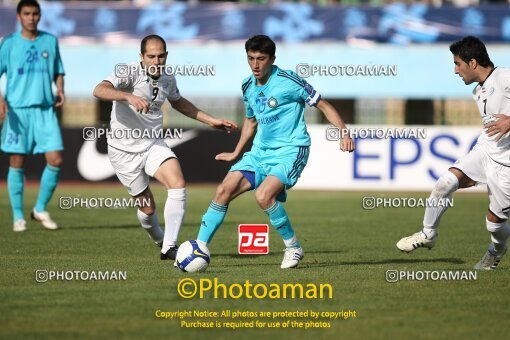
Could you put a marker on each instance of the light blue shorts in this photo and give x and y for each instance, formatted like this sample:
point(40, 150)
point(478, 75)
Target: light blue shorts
point(31, 130)
point(285, 163)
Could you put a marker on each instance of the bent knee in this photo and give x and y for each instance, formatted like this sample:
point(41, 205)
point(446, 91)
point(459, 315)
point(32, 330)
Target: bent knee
point(264, 198)
point(147, 209)
point(224, 192)
point(493, 219)
point(178, 183)
point(16, 161)
point(56, 162)
point(445, 185)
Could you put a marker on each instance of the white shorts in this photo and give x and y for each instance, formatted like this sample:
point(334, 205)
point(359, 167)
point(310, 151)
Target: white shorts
point(478, 166)
point(134, 169)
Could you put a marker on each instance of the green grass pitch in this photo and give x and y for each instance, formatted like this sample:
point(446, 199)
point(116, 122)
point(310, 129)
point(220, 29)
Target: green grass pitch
point(345, 246)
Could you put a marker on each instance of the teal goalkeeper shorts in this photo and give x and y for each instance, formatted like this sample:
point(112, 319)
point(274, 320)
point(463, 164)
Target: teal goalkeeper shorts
point(31, 130)
point(285, 163)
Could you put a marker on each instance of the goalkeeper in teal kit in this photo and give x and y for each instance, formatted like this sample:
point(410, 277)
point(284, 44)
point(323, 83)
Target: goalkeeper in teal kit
point(275, 101)
point(31, 61)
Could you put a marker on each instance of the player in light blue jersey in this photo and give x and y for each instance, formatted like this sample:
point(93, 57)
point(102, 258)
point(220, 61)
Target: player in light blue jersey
point(31, 61)
point(275, 101)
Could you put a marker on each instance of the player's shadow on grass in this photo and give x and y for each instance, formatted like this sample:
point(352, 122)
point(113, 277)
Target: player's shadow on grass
point(248, 264)
point(305, 264)
point(248, 256)
point(118, 226)
point(238, 256)
point(388, 261)
point(95, 226)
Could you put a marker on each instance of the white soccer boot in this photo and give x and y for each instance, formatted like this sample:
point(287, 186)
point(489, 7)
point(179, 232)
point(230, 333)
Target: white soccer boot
point(45, 219)
point(291, 257)
point(418, 240)
point(489, 261)
point(19, 226)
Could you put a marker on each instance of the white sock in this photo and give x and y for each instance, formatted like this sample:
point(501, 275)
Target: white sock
point(444, 188)
point(291, 242)
point(499, 235)
point(175, 207)
point(429, 232)
point(151, 224)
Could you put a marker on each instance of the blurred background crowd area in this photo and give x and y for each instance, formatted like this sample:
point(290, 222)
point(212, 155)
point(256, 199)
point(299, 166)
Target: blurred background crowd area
point(414, 36)
point(457, 3)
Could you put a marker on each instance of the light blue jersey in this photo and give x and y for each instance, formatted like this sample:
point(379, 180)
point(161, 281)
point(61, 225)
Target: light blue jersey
point(279, 108)
point(31, 67)
point(31, 125)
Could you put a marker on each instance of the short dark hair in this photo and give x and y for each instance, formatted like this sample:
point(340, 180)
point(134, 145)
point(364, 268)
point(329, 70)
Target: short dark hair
point(148, 38)
point(260, 43)
point(27, 3)
point(471, 48)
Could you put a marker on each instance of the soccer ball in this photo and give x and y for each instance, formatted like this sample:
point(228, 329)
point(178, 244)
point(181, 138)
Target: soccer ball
point(192, 257)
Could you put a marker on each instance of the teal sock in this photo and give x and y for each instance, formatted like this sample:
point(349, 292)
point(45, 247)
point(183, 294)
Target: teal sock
point(280, 221)
point(15, 183)
point(211, 221)
point(49, 180)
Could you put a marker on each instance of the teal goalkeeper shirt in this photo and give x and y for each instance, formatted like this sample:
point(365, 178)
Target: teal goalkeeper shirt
point(278, 106)
point(31, 67)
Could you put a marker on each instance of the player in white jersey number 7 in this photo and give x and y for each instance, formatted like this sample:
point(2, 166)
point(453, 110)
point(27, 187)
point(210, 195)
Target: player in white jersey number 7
point(488, 161)
point(138, 91)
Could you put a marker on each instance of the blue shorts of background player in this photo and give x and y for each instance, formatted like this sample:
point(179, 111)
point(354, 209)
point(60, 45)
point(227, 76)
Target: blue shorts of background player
point(275, 100)
point(31, 130)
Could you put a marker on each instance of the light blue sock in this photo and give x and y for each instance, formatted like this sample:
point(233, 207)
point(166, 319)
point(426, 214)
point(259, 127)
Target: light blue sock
point(280, 221)
point(211, 221)
point(15, 183)
point(49, 180)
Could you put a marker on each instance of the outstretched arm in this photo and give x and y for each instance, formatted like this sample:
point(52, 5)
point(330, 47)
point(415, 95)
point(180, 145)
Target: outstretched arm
point(332, 115)
point(185, 107)
point(105, 91)
point(247, 132)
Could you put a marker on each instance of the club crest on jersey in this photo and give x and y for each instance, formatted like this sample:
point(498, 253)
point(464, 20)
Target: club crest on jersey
point(491, 91)
point(272, 102)
point(45, 54)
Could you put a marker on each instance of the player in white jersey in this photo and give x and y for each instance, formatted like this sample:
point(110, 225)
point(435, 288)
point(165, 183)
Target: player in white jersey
point(138, 91)
point(488, 161)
